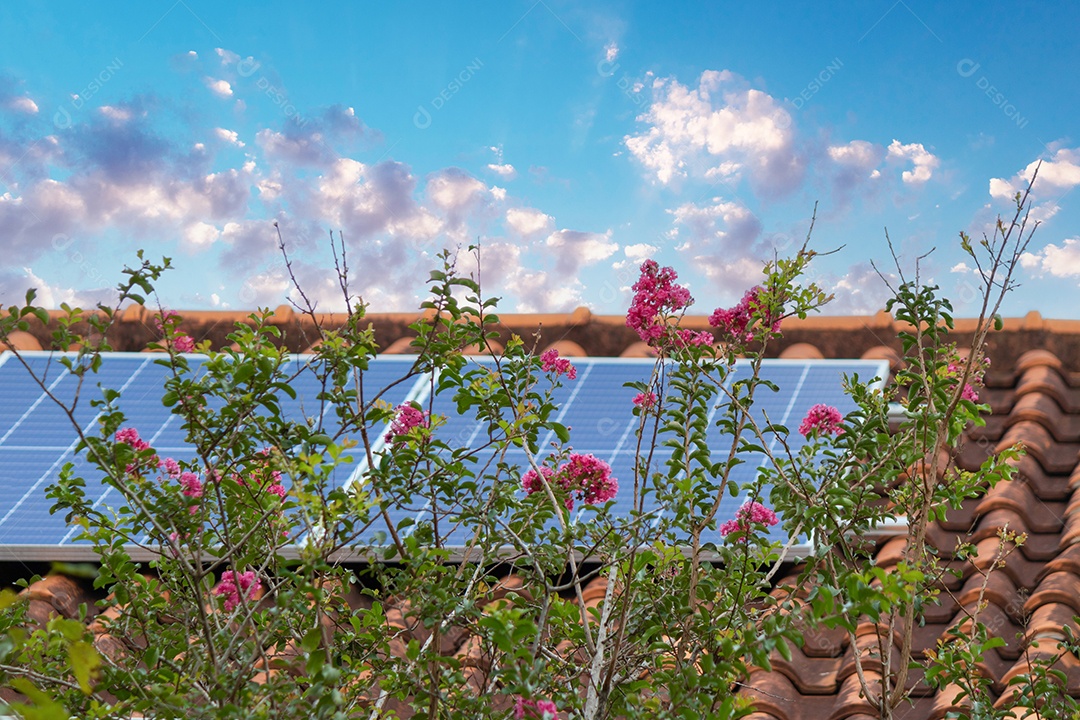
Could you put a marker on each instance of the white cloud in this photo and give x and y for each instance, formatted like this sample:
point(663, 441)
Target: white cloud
point(525, 288)
point(505, 170)
point(857, 153)
point(297, 149)
point(961, 267)
point(228, 57)
point(639, 252)
point(722, 239)
point(221, 88)
point(923, 160)
point(611, 51)
point(855, 166)
point(229, 136)
point(200, 235)
point(1057, 175)
point(23, 104)
point(721, 126)
point(859, 291)
point(454, 190)
point(1058, 260)
point(528, 221)
point(14, 284)
point(116, 114)
point(574, 249)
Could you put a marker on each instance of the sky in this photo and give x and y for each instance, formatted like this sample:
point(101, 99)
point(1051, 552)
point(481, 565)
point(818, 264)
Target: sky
point(569, 141)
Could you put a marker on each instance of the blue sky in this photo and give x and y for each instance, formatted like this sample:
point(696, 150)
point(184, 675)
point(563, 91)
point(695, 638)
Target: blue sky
point(572, 139)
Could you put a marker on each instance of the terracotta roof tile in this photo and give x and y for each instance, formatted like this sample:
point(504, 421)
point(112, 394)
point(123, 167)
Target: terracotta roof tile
point(1048, 381)
point(567, 348)
point(401, 346)
point(801, 351)
point(1040, 515)
point(1038, 358)
point(1032, 596)
point(20, 340)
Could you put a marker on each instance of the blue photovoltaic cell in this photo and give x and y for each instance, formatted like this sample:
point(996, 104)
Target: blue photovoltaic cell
point(36, 437)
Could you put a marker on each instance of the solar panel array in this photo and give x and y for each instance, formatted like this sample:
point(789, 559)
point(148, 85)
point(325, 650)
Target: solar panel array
point(37, 439)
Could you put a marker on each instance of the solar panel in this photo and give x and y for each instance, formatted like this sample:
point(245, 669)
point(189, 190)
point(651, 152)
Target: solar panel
point(36, 438)
point(597, 409)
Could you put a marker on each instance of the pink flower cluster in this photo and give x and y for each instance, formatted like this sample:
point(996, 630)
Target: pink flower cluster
point(750, 514)
point(130, 436)
point(233, 584)
point(525, 709)
point(586, 477)
point(695, 338)
point(956, 369)
point(183, 344)
point(275, 487)
point(645, 400)
point(656, 294)
point(190, 485)
point(551, 362)
point(737, 324)
point(407, 418)
point(162, 320)
point(822, 419)
point(170, 467)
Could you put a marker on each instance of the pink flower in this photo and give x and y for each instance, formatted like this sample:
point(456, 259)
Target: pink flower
point(590, 476)
point(170, 467)
point(737, 324)
point(824, 419)
point(693, 338)
point(531, 482)
point(408, 417)
point(276, 489)
point(233, 584)
point(645, 400)
point(750, 514)
point(551, 362)
point(655, 295)
point(183, 344)
point(160, 321)
point(584, 477)
point(190, 485)
point(130, 436)
point(956, 370)
point(539, 709)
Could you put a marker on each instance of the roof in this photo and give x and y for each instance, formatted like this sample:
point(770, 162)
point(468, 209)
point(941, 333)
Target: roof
point(1037, 592)
point(1034, 390)
point(582, 333)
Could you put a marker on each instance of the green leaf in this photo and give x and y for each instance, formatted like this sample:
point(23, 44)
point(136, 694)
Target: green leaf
point(44, 707)
point(84, 661)
point(243, 373)
point(561, 432)
point(311, 640)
